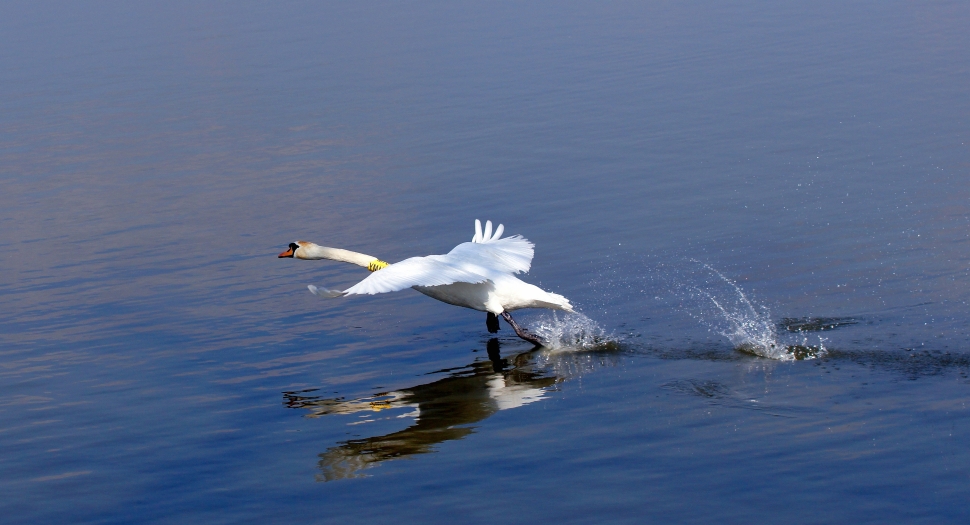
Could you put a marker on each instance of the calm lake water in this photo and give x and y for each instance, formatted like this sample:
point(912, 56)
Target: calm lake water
point(697, 178)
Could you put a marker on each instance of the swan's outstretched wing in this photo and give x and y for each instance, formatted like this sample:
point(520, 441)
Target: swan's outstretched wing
point(510, 255)
point(467, 263)
point(513, 254)
point(484, 259)
point(432, 270)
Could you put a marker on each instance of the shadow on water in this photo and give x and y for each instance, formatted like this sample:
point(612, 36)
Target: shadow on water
point(446, 409)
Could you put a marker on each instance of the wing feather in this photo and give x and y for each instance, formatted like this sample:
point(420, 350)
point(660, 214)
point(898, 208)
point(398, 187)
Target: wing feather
point(478, 231)
point(509, 255)
point(469, 262)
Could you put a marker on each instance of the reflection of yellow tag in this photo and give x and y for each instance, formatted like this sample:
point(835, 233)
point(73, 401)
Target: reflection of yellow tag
point(376, 264)
point(377, 406)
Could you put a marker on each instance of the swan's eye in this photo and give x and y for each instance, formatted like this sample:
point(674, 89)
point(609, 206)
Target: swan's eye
point(294, 246)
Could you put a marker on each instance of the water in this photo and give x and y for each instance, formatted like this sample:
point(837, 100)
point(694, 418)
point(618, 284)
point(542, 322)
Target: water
point(718, 303)
point(702, 181)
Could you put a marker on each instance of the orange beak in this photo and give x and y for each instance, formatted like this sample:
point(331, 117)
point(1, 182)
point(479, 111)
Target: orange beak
point(287, 253)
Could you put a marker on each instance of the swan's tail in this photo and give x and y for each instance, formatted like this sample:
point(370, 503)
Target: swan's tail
point(325, 293)
point(554, 301)
point(564, 305)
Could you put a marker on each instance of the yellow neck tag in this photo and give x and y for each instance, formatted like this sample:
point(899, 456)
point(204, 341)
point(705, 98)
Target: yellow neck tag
point(376, 264)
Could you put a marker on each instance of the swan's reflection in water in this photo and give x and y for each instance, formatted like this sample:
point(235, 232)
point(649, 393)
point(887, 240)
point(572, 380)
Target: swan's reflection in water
point(445, 409)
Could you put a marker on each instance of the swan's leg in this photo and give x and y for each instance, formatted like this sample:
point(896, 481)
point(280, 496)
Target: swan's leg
point(491, 322)
point(521, 332)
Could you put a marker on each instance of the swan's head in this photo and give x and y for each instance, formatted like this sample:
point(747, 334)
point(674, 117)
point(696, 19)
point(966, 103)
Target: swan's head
point(297, 249)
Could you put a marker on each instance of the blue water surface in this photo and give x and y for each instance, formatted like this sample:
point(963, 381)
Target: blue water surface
point(804, 165)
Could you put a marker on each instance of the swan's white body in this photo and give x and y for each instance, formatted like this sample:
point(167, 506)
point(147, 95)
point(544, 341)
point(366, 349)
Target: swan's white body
point(505, 294)
point(479, 274)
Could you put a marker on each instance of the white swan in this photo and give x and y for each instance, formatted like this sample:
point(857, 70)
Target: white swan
point(477, 275)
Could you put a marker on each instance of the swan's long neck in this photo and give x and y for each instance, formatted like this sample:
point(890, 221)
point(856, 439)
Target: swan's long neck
point(312, 252)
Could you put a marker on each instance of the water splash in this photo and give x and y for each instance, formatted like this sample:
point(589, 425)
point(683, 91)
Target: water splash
point(723, 307)
point(572, 331)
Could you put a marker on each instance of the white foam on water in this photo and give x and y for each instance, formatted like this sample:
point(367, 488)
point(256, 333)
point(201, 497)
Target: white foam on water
point(570, 331)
